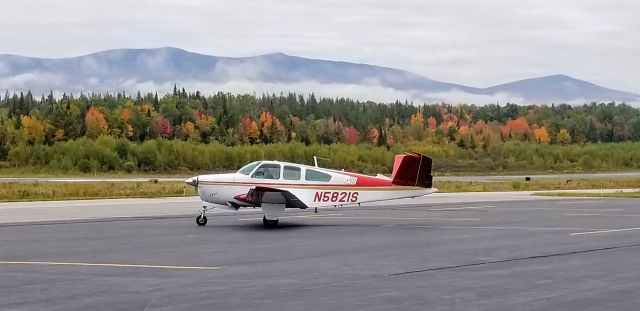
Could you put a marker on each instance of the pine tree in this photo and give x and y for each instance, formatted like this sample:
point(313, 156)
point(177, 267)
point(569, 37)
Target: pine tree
point(382, 137)
point(156, 102)
point(18, 123)
point(22, 108)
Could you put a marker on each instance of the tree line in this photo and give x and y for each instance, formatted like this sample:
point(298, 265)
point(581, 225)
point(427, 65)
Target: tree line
point(31, 128)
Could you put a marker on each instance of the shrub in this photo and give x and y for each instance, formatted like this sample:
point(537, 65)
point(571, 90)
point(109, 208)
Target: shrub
point(106, 154)
point(84, 166)
point(129, 167)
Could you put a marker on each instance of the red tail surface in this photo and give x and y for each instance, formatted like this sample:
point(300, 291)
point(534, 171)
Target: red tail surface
point(412, 169)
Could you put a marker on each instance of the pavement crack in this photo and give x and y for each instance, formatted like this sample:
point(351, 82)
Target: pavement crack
point(483, 263)
point(374, 277)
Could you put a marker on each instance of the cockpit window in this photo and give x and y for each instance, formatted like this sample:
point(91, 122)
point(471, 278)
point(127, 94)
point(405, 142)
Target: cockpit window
point(313, 175)
point(291, 173)
point(267, 171)
point(247, 169)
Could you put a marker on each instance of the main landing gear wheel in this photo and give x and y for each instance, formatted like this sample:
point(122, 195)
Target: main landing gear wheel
point(201, 220)
point(269, 223)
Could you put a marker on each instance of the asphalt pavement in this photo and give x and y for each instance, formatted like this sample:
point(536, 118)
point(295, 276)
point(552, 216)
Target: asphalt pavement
point(486, 252)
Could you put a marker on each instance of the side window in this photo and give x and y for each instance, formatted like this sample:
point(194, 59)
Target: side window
point(313, 175)
point(291, 173)
point(267, 171)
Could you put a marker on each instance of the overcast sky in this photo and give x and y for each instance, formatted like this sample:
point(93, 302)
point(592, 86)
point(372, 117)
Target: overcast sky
point(478, 43)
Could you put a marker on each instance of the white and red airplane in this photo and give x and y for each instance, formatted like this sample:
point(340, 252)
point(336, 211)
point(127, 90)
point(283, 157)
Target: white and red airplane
point(275, 186)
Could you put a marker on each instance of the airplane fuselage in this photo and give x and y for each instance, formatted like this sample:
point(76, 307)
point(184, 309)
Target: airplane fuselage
point(315, 187)
point(275, 186)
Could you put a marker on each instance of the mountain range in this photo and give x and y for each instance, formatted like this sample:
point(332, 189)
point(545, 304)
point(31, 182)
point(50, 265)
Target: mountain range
point(159, 69)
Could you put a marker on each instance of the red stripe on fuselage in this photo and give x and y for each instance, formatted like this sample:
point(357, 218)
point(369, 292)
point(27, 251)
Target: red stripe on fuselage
point(320, 186)
point(369, 181)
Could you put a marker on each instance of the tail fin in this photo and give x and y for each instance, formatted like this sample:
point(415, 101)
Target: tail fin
point(412, 169)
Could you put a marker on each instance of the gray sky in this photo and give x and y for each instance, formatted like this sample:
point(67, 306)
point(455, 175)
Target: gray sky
point(478, 43)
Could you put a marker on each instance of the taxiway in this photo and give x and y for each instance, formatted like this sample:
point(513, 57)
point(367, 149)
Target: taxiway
point(441, 252)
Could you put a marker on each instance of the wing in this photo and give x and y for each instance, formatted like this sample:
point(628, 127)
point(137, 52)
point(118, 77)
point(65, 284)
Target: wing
point(256, 196)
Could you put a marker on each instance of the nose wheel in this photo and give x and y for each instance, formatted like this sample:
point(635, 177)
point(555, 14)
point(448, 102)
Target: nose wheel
point(201, 220)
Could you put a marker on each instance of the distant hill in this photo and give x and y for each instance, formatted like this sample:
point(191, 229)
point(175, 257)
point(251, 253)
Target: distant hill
point(158, 69)
point(560, 87)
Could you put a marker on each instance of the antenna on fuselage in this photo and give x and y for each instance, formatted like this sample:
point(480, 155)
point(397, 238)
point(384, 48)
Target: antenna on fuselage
point(315, 160)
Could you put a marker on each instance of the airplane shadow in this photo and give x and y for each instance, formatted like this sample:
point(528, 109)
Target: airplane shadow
point(280, 227)
point(285, 226)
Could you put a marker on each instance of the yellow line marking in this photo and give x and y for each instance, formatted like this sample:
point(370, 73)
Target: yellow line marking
point(614, 215)
point(525, 209)
point(457, 208)
point(593, 209)
point(502, 228)
point(579, 202)
point(113, 265)
point(398, 218)
point(583, 214)
point(339, 216)
point(606, 231)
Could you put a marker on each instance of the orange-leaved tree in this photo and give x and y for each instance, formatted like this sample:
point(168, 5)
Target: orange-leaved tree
point(95, 123)
point(373, 135)
point(541, 135)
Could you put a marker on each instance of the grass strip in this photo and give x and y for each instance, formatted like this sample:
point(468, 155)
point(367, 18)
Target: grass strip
point(635, 194)
point(47, 191)
point(538, 184)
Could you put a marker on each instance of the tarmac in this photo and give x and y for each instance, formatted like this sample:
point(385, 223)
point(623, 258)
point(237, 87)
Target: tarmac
point(468, 251)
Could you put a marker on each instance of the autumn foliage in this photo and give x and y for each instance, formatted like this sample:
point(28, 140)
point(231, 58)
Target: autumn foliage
point(350, 135)
point(95, 123)
point(541, 135)
point(115, 121)
point(163, 127)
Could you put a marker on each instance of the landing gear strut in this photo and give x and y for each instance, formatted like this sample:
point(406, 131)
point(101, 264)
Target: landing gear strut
point(268, 223)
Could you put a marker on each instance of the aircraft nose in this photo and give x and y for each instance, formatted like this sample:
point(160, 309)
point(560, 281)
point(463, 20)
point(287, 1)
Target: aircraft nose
point(193, 181)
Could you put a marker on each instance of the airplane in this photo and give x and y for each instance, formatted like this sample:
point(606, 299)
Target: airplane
point(275, 186)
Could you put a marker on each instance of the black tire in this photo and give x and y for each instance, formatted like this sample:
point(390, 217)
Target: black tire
point(269, 223)
point(201, 220)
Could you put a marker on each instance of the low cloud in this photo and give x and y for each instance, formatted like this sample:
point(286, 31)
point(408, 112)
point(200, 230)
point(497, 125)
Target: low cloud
point(372, 90)
point(455, 96)
point(34, 81)
point(333, 90)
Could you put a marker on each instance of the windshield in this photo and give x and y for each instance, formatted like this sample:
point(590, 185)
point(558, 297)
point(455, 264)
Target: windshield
point(267, 171)
point(247, 169)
